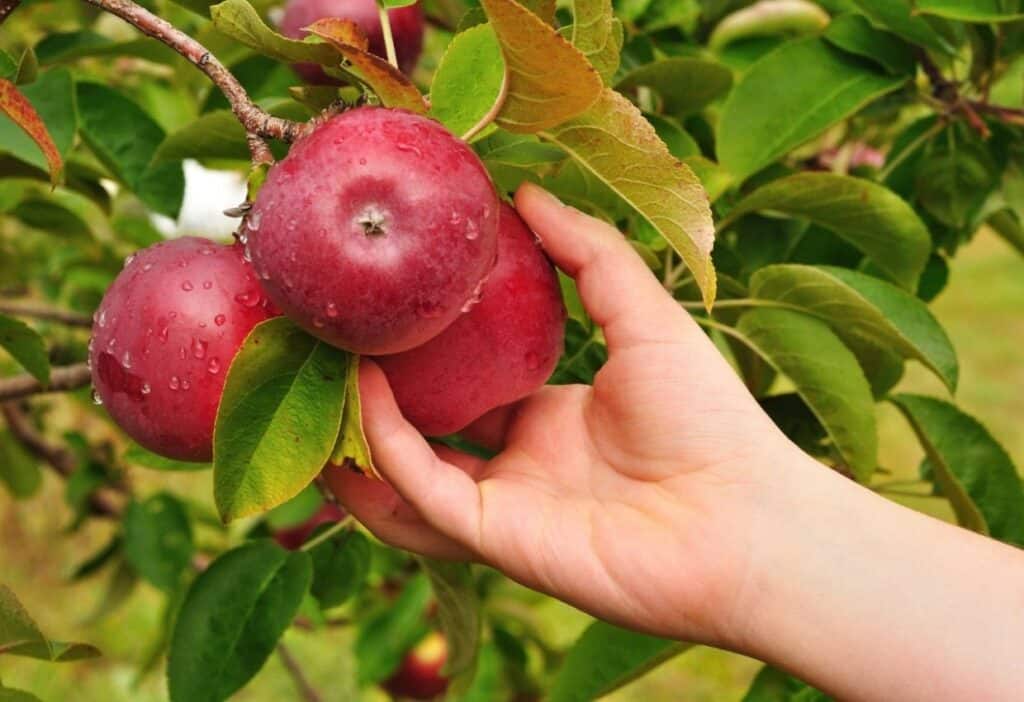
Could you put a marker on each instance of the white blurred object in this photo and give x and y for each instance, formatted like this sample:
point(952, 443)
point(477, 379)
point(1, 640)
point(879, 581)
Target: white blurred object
point(207, 194)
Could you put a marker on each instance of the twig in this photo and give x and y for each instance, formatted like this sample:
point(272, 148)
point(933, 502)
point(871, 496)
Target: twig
point(259, 150)
point(302, 684)
point(1006, 114)
point(7, 7)
point(389, 39)
point(58, 458)
point(61, 380)
point(36, 310)
point(254, 119)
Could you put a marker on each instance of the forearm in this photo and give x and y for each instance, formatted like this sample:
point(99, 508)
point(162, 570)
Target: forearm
point(871, 601)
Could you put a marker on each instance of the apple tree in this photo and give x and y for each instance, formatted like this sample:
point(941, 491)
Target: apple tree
point(797, 174)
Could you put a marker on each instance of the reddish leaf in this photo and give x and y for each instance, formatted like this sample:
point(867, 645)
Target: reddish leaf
point(20, 110)
point(335, 30)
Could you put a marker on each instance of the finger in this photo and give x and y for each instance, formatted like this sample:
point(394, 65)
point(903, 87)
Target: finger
point(391, 519)
point(444, 495)
point(620, 293)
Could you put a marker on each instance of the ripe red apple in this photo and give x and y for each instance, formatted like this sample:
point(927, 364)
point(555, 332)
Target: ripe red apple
point(164, 336)
point(406, 30)
point(375, 231)
point(501, 350)
point(293, 537)
point(419, 675)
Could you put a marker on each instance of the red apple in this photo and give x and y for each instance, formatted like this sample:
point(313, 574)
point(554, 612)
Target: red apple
point(419, 675)
point(501, 350)
point(293, 537)
point(164, 336)
point(375, 231)
point(406, 29)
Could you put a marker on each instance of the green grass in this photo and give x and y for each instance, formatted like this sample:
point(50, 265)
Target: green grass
point(980, 309)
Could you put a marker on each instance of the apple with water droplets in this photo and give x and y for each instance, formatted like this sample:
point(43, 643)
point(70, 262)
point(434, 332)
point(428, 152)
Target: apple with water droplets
point(406, 29)
point(375, 231)
point(502, 349)
point(163, 338)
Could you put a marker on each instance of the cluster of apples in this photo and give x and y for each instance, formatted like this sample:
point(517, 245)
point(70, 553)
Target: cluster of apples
point(382, 234)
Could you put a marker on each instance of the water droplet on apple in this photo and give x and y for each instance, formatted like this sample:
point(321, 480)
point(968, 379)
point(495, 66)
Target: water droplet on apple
point(174, 383)
point(318, 323)
point(128, 260)
point(145, 389)
point(532, 361)
point(187, 286)
point(126, 359)
point(146, 268)
point(219, 320)
point(213, 367)
point(96, 399)
point(248, 299)
point(102, 320)
point(332, 310)
point(163, 334)
point(207, 284)
point(199, 348)
point(471, 231)
point(185, 385)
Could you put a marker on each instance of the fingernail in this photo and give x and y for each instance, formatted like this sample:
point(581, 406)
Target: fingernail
point(544, 194)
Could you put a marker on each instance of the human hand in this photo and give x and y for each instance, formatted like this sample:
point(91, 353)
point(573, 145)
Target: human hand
point(636, 499)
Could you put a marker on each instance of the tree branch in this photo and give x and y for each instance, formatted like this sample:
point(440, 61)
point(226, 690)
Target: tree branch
point(36, 310)
point(58, 458)
point(7, 7)
point(61, 380)
point(255, 120)
point(302, 684)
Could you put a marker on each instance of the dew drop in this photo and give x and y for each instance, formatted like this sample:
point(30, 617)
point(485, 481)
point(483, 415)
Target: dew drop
point(185, 385)
point(128, 260)
point(219, 320)
point(96, 399)
point(248, 299)
point(174, 383)
point(471, 231)
point(318, 322)
point(182, 353)
point(145, 389)
point(291, 225)
point(213, 367)
point(247, 254)
point(408, 148)
point(362, 162)
point(532, 361)
point(254, 219)
point(455, 219)
point(199, 348)
point(102, 320)
point(92, 344)
point(146, 268)
point(111, 344)
point(207, 284)
point(187, 286)
point(206, 251)
point(332, 310)
point(172, 315)
point(126, 359)
point(163, 334)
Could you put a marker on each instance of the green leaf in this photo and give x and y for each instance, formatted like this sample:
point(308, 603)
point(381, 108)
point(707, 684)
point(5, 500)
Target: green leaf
point(351, 450)
point(598, 35)
point(232, 618)
point(487, 683)
point(8, 694)
point(862, 308)
point(981, 11)
point(768, 18)
point(19, 469)
point(71, 46)
point(467, 88)
point(761, 123)
point(215, 134)
point(8, 68)
point(854, 34)
point(20, 636)
point(549, 80)
point(773, 685)
point(340, 567)
point(680, 144)
point(614, 142)
point(902, 18)
point(53, 97)
point(125, 138)
point(458, 608)
point(158, 540)
point(240, 21)
point(385, 637)
point(868, 215)
point(973, 471)
point(685, 84)
point(137, 456)
point(278, 418)
point(826, 375)
point(1007, 225)
point(25, 346)
point(297, 510)
point(605, 658)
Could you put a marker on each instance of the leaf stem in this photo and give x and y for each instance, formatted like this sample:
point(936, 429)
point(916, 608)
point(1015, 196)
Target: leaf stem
point(743, 302)
point(302, 684)
point(61, 380)
point(328, 533)
point(255, 120)
point(389, 38)
point(35, 310)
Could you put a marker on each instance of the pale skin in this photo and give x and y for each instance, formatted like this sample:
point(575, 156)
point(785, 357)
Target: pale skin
point(664, 500)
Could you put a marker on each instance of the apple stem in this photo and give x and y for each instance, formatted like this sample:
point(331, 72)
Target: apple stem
point(255, 120)
point(389, 39)
point(328, 533)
